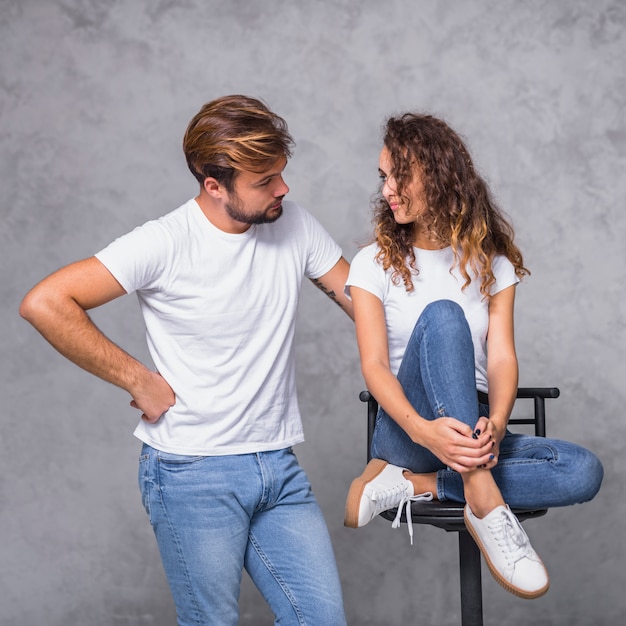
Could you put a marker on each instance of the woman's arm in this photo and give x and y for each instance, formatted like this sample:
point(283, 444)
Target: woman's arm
point(371, 335)
point(448, 438)
point(502, 370)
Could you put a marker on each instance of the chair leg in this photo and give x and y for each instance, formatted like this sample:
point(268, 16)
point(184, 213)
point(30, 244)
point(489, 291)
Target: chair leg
point(471, 583)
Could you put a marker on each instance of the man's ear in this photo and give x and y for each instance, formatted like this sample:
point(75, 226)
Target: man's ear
point(213, 187)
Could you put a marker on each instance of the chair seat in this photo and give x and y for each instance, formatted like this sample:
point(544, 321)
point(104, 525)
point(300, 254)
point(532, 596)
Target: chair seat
point(449, 515)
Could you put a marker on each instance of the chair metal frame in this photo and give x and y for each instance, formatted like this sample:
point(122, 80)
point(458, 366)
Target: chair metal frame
point(449, 515)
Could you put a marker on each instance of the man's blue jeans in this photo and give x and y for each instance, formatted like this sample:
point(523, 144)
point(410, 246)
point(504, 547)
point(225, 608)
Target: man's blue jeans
point(437, 374)
point(213, 516)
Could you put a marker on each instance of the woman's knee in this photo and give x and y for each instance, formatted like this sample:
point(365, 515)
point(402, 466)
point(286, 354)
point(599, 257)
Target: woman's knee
point(591, 473)
point(444, 320)
point(444, 308)
point(446, 313)
point(583, 472)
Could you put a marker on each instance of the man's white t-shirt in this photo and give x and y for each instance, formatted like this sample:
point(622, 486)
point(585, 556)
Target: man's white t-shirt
point(220, 311)
point(435, 281)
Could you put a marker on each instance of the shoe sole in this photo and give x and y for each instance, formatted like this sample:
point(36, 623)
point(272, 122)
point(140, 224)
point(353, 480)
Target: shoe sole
point(520, 593)
point(353, 501)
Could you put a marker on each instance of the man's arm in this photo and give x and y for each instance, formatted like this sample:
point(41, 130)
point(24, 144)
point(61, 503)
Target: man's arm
point(57, 307)
point(332, 284)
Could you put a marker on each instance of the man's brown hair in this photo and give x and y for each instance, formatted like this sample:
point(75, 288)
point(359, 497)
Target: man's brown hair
point(232, 134)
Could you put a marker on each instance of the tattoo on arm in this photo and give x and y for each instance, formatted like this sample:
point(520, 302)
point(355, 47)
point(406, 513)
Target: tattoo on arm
point(329, 292)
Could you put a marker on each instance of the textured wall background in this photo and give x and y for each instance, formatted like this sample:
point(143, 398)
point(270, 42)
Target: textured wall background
point(94, 99)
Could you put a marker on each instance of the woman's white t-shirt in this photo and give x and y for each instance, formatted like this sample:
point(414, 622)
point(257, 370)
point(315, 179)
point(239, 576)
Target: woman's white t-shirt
point(220, 312)
point(435, 281)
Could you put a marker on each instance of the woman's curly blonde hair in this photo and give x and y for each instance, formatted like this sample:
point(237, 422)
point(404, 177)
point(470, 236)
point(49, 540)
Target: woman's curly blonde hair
point(460, 211)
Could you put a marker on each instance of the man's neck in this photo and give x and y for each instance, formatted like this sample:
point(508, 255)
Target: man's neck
point(215, 212)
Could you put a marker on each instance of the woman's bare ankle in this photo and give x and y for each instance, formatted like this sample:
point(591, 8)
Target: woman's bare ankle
point(481, 509)
point(423, 483)
point(481, 493)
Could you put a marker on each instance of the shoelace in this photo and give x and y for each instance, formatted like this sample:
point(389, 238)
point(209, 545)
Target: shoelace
point(511, 537)
point(406, 504)
point(388, 498)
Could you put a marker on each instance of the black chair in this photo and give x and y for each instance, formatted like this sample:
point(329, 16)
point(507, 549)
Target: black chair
point(449, 515)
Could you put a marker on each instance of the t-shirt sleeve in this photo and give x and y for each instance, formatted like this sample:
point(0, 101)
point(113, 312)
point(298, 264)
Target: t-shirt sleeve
point(504, 273)
point(366, 273)
point(138, 258)
point(323, 250)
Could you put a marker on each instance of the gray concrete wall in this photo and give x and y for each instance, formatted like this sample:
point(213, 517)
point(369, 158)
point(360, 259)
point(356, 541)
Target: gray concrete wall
point(94, 99)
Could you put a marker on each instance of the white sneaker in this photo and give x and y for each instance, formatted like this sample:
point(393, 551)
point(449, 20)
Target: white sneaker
point(379, 488)
point(508, 553)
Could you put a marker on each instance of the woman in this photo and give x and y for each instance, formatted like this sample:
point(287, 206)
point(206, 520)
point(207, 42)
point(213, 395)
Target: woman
point(433, 296)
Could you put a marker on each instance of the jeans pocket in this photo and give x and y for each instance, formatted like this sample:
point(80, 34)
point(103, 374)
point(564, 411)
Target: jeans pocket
point(177, 459)
point(145, 482)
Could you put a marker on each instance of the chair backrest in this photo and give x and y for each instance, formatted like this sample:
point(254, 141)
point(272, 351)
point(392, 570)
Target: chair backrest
point(538, 394)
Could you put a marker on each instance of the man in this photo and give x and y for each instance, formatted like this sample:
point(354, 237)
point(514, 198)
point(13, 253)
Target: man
point(218, 282)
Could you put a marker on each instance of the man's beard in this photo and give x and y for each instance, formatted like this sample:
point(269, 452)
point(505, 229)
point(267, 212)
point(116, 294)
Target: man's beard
point(236, 212)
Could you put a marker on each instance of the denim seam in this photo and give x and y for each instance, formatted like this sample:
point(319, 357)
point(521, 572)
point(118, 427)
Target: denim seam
point(441, 410)
point(506, 461)
point(144, 484)
point(264, 470)
point(441, 494)
point(277, 578)
point(511, 452)
point(176, 541)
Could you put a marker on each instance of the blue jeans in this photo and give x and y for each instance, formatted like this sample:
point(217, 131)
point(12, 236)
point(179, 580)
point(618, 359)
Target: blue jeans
point(213, 516)
point(437, 374)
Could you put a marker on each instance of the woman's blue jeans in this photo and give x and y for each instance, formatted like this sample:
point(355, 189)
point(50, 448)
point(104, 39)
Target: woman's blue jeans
point(213, 516)
point(437, 374)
